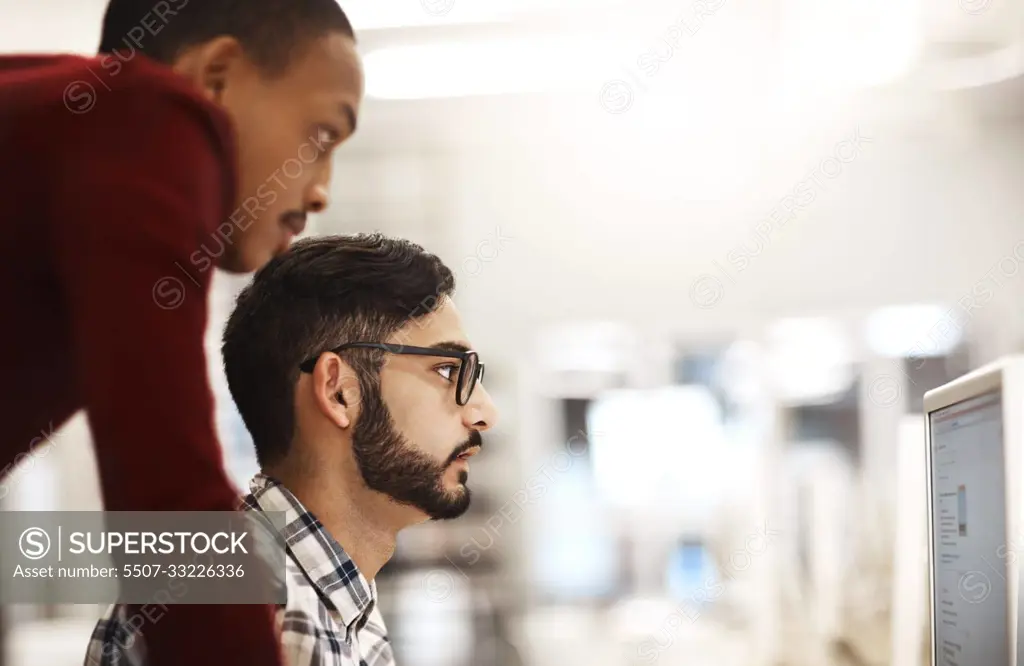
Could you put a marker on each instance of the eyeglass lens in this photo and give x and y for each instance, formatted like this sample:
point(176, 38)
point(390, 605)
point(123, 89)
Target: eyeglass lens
point(467, 377)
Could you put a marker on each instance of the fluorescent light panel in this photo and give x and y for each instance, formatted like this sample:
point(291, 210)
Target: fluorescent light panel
point(582, 64)
point(915, 330)
point(376, 15)
point(479, 68)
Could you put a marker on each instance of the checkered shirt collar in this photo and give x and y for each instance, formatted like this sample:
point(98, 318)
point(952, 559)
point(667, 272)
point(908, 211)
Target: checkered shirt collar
point(330, 570)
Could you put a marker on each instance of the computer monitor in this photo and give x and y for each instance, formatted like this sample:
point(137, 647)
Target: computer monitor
point(974, 435)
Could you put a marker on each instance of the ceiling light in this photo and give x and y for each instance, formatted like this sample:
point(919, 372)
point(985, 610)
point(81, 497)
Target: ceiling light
point(491, 67)
point(660, 447)
point(843, 46)
point(377, 15)
point(809, 360)
point(915, 330)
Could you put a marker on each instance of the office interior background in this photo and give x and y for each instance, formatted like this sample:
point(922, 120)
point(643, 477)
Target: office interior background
point(713, 252)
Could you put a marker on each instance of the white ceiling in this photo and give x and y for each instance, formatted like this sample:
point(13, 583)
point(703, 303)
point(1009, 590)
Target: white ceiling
point(950, 26)
point(991, 23)
point(73, 25)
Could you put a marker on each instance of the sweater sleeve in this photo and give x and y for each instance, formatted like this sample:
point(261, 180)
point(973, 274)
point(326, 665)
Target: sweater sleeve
point(139, 190)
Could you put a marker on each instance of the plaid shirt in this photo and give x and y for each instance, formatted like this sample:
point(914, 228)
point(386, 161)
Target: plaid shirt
point(330, 618)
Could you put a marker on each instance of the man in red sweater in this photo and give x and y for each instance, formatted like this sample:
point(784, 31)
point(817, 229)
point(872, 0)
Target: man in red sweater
point(199, 138)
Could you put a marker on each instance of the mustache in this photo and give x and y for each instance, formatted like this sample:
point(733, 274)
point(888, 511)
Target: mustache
point(475, 440)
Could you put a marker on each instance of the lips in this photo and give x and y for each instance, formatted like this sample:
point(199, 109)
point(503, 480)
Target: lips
point(469, 448)
point(294, 222)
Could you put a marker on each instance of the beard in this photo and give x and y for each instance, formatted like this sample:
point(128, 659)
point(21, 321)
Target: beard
point(389, 464)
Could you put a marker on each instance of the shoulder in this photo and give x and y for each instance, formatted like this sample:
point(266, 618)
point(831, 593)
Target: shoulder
point(115, 641)
point(304, 611)
point(374, 641)
point(310, 634)
point(85, 93)
point(147, 103)
point(122, 121)
point(144, 84)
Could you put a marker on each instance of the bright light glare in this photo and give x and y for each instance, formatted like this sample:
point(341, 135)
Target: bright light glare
point(575, 549)
point(482, 68)
point(810, 360)
point(914, 330)
point(662, 447)
point(845, 45)
point(376, 15)
point(741, 373)
point(603, 347)
point(828, 47)
point(699, 147)
point(434, 644)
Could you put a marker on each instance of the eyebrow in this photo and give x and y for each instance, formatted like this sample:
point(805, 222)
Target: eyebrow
point(451, 345)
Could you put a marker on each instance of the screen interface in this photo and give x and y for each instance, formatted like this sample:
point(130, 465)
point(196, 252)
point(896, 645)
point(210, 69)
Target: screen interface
point(969, 533)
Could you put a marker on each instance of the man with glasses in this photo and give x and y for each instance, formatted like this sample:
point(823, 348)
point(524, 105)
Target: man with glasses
point(348, 362)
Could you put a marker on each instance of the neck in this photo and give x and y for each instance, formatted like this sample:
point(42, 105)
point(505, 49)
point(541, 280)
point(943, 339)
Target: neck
point(359, 519)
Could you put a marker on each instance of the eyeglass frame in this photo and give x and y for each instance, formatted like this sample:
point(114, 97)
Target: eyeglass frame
point(408, 350)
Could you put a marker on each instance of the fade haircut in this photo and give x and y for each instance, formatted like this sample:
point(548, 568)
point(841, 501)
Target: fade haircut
point(320, 294)
point(271, 32)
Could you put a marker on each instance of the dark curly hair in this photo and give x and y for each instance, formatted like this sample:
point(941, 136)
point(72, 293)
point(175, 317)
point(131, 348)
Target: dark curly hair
point(320, 294)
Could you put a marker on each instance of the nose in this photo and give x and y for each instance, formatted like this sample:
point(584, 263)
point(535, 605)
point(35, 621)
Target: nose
point(480, 413)
point(316, 198)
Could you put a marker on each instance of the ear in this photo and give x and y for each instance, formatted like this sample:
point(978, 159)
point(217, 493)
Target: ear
point(213, 65)
point(336, 389)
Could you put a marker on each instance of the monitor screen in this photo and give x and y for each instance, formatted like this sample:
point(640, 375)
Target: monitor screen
point(969, 522)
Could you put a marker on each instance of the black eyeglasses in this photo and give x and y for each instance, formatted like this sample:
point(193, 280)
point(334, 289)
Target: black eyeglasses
point(471, 370)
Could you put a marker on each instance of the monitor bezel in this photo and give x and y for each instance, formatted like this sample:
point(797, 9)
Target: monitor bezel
point(988, 379)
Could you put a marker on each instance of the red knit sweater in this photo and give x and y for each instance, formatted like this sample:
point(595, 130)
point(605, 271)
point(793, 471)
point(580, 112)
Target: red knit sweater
point(109, 181)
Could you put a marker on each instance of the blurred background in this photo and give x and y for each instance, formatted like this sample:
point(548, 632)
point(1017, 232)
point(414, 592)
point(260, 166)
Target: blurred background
point(713, 253)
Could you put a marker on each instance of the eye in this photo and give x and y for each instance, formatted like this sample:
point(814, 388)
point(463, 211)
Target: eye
point(449, 371)
point(326, 138)
point(327, 134)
